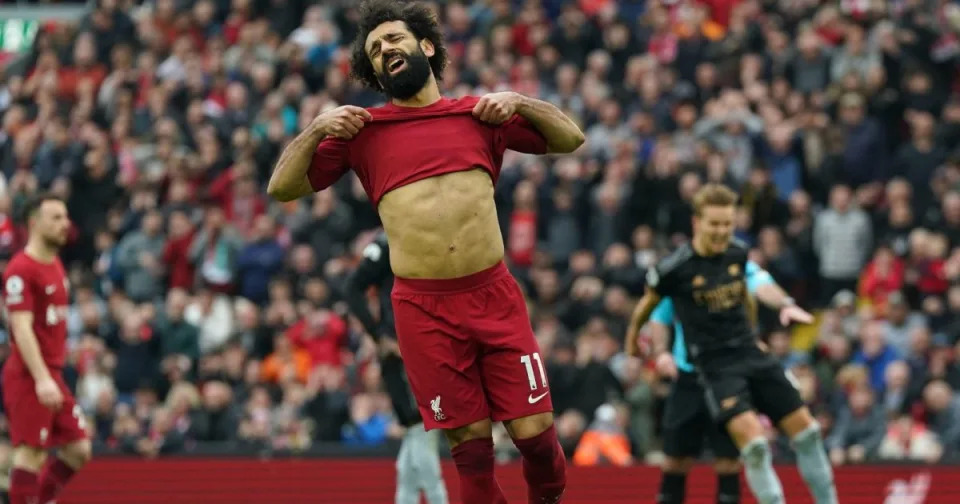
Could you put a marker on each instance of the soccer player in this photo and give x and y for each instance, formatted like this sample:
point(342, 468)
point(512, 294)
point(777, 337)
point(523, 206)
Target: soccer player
point(429, 165)
point(686, 419)
point(418, 463)
point(41, 410)
point(705, 280)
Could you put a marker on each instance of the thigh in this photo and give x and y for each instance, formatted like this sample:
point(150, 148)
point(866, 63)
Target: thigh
point(31, 423)
point(685, 419)
point(727, 395)
point(69, 423)
point(513, 372)
point(440, 360)
point(721, 443)
point(773, 391)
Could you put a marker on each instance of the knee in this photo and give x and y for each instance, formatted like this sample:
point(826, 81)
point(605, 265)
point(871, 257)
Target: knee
point(807, 438)
point(77, 454)
point(745, 427)
point(477, 430)
point(681, 465)
point(756, 453)
point(29, 457)
point(726, 466)
point(530, 426)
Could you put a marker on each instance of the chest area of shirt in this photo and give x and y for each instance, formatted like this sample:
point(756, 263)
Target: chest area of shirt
point(717, 286)
point(398, 147)
point(52, 289)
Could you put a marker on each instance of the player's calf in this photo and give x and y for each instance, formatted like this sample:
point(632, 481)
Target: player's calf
point(472, 449)
point(728, 480)
point(60, 469)
point(673, 480)
point(24, 479)
point(748, 433)
point(812, 458)
point(544, 466)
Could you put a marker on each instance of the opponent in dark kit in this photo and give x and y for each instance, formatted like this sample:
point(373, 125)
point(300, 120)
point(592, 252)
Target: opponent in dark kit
point(706, 281)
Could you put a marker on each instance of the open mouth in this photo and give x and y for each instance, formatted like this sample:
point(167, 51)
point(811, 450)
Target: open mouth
point(395, 63)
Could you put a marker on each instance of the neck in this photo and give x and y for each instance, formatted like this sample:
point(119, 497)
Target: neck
point(700, 248)
point(428, 95)
point(39, 251)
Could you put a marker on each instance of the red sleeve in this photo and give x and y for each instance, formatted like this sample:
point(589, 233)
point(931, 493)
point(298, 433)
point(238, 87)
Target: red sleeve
point(17, 291)
point(518, 134)
point(329, 163)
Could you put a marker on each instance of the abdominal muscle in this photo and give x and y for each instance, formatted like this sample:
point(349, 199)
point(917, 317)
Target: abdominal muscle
point(442, 227)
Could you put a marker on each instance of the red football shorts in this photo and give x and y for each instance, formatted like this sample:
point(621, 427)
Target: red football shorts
point(32, 423)
point(469, 350)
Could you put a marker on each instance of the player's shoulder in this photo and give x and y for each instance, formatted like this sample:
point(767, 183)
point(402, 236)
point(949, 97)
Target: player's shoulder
point(19, 265)
point(675, 259)
point(738, 249)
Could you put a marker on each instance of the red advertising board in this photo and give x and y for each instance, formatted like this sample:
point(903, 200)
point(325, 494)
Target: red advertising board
point(349, 481)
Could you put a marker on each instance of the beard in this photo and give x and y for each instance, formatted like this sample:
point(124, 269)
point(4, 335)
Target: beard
point(409, 81)
point(55, 241)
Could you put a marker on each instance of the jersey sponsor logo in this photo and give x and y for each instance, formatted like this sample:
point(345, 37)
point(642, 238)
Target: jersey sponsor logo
point(437, 410)
point(50, 289)
point(699, 281)
point(721, 298)
point(534, 400)
point(56, 314)
point(14, 288)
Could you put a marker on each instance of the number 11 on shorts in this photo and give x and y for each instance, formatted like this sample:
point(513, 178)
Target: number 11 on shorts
point(525, 360)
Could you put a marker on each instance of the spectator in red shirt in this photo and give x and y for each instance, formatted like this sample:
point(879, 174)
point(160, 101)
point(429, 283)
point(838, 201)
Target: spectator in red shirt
point(176, 257)
point(883, 275)
point(322, 334)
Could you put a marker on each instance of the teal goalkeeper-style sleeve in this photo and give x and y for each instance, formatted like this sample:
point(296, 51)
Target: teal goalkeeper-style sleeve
point(663, 314)
point(757, 277)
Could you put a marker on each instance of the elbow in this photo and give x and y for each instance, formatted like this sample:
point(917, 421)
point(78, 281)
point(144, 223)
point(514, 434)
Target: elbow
point(569, 144)
point(277, 193)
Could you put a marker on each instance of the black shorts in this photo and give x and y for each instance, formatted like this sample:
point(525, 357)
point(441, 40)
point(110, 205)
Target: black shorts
point(687, 424)
point(751, 379)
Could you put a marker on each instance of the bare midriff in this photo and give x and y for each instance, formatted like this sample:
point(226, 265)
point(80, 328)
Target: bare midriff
point(442, 227)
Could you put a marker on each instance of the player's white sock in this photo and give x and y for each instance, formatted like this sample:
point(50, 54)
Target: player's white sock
point(814, 465)
point(761, 478)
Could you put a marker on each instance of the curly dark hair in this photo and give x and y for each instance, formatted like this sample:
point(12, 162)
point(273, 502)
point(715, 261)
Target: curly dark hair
point(419, 18)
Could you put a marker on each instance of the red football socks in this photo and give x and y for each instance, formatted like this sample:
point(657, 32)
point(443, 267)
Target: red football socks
point(23, 487)
point(474, 460)
point(544, 467)
point(54, 477)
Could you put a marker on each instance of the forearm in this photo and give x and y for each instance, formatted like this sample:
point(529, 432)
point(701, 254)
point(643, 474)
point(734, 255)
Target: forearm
point(562, 134)
point(773, 296)
point(357, 302)
point(289, 179)
point(641, 314)
point(30, 353)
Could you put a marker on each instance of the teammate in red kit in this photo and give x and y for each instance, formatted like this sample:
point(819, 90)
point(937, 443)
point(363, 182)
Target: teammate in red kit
point(40, 409)
point(429, 165)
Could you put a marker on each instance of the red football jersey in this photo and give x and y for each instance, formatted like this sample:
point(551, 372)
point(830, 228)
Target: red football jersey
point(402, 145)
point(42, 289)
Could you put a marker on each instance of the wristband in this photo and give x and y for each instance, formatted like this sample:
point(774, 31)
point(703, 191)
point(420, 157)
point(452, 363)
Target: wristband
point(788, 302)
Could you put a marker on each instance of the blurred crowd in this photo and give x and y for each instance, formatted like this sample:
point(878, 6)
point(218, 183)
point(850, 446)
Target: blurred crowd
point(203, 312)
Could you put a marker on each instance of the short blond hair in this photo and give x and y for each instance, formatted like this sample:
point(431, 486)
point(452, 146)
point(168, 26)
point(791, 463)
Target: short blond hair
point(713, 195)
